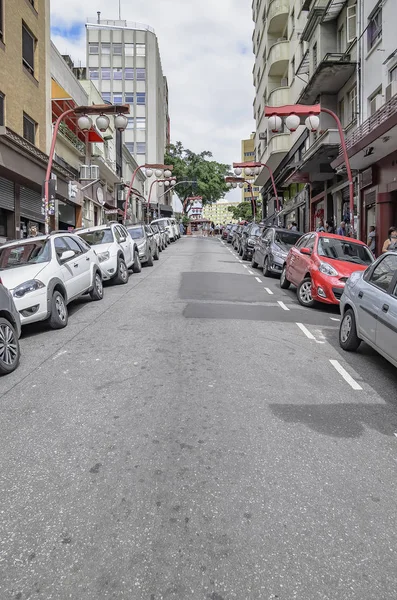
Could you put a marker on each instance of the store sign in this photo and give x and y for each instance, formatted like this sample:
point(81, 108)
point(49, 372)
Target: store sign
point(111, 211)
point(367, 177)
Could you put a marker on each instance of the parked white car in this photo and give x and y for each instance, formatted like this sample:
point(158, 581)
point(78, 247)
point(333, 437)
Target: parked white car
point(116, 251)
point(45, 273)
point(168, 226)
point(175, 227)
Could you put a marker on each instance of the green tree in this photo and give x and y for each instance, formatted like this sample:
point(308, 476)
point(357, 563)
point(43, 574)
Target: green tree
point(208, 174)
point(243, 211)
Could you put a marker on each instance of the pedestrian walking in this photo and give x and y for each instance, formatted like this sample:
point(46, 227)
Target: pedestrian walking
point(391, 242)
point(371, 242)
point(341, 229)
point(294, 226)
point(329, 226)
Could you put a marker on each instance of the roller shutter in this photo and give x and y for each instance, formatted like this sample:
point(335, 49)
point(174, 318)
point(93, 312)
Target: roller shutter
point(31, 205)
point(6, 194)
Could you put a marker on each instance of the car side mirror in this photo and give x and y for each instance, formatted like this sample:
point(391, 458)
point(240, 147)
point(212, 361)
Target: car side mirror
point(67, 255)
point(306, 251)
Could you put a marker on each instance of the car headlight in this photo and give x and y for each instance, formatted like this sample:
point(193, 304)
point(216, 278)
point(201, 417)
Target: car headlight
point(278, 254)
point(102, 256)
point(251, 241)
point(327, 269)
point(28, 286)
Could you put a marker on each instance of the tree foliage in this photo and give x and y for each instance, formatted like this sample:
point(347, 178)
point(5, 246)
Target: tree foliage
point(243, 211)
point(208, 174)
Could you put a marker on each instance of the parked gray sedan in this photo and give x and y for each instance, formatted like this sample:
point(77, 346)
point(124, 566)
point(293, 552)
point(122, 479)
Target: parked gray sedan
point(271, 249)
point(144, 238)
point(369, 308)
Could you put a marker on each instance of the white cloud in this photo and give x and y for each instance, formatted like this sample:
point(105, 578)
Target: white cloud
point(206, 55)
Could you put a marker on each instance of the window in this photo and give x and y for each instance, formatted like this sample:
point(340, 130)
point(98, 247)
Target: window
point(140, 123)
point(141, 148)
point(352, 100)
point(105, 48)
point(351, 23)
point(315, 63)
point(118, 98)
point(393, 74)
point(129, 49)
point(141, 98)
point(141, 74)
point(118, 74)
point(374, 28)
point(342, 111)
point(93, 48)
point(140, 50)
point(130, 146)
point(384, 272)
point(29, 129)
point(342, 38)
point(129, 73)
point(1, 109)
point(106, 96)
point(293, 66)
point(105, 73)
point(73, 245)
point(117, 49)
point(130, 124)
point(129, 97)
point(28, 46)
point(94, 73)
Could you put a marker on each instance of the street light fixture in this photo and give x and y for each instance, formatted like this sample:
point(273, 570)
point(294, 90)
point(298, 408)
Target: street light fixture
point(85, 123)
point(159, 171)
point(292, 114)
point(255, 167)
point(241, 182)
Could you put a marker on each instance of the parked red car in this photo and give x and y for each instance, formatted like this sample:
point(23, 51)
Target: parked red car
point(320, 264)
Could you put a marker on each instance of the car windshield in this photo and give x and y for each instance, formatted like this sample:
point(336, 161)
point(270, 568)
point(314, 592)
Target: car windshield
point(99, 236)
point(154, 227)
point(136, 233)
point(255, 230)
point(286, 238)
point(31, 253)
point(344, 250)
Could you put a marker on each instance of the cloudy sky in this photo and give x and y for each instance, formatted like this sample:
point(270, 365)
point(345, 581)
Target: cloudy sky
point(206, 53)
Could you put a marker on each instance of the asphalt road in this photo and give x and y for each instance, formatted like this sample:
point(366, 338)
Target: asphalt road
point(191, 437)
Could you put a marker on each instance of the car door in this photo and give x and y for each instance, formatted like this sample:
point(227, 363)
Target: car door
point(386, 323)
point(81, 264)
point(297, 261)
point(68, 273)
point(151, 240)
point(125, 241)
point(264, 245)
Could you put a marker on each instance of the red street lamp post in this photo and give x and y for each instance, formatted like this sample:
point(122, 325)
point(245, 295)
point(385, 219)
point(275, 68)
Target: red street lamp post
point(166, 183)
point(253, 168)
point(159, 170)
point(293, 114)
point(85, 124)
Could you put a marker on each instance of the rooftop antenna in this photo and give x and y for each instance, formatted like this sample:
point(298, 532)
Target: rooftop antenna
point(99, 16)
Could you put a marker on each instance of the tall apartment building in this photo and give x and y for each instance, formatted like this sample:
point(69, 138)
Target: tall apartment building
point(24, 113)
point(124, 63)
point(248, 154)
point(219, 212)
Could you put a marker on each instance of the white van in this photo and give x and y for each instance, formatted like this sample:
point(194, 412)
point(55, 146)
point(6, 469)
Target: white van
point(176, 228)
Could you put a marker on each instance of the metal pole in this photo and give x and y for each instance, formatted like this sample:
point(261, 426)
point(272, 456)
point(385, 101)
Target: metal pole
point(130, 189)
point(347, 162)
point(49, 167)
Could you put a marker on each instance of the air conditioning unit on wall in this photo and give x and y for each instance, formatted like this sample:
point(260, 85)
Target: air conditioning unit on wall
point(391, 90)
point(89, 172)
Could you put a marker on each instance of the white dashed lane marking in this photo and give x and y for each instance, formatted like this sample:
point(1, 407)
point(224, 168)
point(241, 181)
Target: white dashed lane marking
point(258, 279)
point(280, 303)
point(269, 291)
point(348, 378)
point(250, 272)
point(306, 331)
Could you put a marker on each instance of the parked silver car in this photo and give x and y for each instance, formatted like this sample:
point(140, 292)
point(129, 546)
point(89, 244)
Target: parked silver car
point(144, 238)
point(159, 236)
point(369, 308)
point(10, 330)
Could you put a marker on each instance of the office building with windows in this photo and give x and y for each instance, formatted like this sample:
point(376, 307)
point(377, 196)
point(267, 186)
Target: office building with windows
point(124, 63)
point(24, 113)
point(248, 155)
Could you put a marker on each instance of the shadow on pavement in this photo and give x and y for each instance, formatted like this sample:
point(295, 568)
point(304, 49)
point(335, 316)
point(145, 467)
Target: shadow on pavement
point(339, 420)
point(38, 328)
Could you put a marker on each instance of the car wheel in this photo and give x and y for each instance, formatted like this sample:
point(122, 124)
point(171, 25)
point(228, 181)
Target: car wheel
point(136, 267)
point(97, 291)
point(284, 283)
point(266, 271)
point(348, 338)
point(156, 254)
point(9, 347)
point(122, 272)
point(254, 264)
point(59, 312)
point(149, 261)
point(304, 293)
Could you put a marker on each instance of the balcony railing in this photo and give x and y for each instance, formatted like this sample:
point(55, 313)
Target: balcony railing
point(381, 115)
point(278, 97)
point(71, 137)
point(278, 8)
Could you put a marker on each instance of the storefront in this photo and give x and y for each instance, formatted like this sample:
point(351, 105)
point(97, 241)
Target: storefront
point(66, 216)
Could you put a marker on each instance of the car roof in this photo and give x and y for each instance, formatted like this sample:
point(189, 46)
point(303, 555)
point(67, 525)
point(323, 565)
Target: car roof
point(95, 227)
point(324, 234)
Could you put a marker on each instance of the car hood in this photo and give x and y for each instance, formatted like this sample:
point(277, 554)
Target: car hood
point(344, 268)
point(99, 248)
point(140, 241)
point(11, 278)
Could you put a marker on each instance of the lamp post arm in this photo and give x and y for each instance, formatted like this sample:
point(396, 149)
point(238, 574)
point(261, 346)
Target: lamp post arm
point(173, 186)
point(273, 184)
point(347, 162)
point(129, 190)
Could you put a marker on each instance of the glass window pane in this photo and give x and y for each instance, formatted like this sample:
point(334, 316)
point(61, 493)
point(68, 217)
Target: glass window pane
point(129, 49)
point(129, 97)
point(94, 73)
point(117, 73)
point(384, 272)
point(141, 74)
point(105, 48)
point(106, 96)
point(141, 147)
point(105, 73)
point(118, 49)
point(130, 124)
point(93, 48)
point(118, 98)
point(28, 43)
point(130, 146)
point(140, 50)
point(129, 73)
point(141, 98)
point(140, 123)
